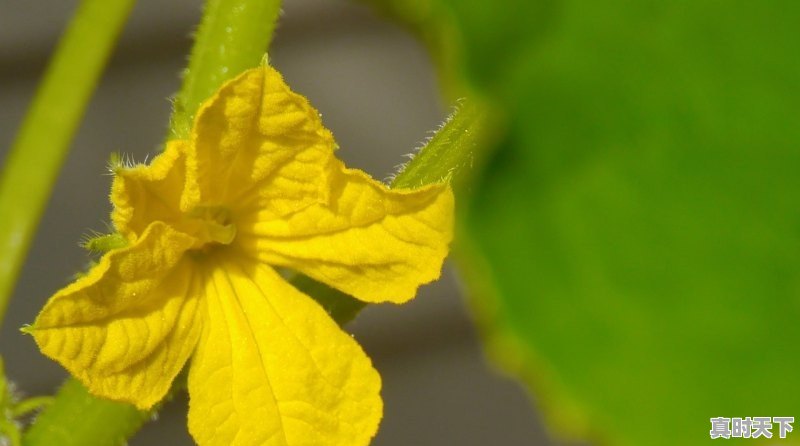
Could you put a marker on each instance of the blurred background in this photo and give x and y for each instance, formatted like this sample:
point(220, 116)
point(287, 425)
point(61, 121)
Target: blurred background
point(376, 90)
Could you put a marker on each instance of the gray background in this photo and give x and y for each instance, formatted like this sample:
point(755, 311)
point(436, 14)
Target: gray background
point(377, 92)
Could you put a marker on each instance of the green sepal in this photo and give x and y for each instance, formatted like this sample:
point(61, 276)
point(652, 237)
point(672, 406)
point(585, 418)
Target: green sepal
point(102, 243)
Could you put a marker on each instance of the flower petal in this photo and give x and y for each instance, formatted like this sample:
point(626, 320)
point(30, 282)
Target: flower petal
point(272, 368)
point(148, 193)
point(255, 134)
point(371, 242)
point(127, 327)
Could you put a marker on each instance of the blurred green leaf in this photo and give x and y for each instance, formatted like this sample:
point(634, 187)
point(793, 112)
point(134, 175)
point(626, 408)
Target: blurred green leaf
point(635, 236)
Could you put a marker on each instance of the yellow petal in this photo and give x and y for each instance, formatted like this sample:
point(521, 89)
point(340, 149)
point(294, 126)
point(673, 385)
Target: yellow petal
point(371, 242)
point(272, 368)
point(148, 193)
point(256, 134)
point(127, 327)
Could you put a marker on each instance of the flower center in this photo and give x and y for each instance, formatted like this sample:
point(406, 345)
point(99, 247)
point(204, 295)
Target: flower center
point(211, 225)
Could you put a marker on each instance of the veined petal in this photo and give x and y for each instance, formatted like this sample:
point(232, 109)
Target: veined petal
point(154, 192)
point(273, 369)
point(127, 327)
point(258, 144)
point(371, 242)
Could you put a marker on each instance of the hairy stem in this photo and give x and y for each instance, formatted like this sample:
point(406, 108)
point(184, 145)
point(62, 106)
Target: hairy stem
point(448, 153)
point(234, 35)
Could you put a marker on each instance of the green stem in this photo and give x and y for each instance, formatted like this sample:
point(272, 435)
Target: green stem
point(448, 154)
point(29, 405)
point(77, 418)
point(234, 36)
point(39, 150)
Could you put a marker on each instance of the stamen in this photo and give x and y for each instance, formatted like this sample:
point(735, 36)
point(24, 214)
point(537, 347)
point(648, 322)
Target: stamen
point(212, 225)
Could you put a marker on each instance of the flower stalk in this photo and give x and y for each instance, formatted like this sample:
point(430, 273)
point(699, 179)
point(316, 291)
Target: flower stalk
point(233, 36)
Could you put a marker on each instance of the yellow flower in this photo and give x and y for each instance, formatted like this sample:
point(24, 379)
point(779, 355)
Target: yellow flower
point(257, 186)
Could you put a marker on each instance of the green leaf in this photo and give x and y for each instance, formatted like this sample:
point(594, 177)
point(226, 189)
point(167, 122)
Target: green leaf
point(635, 234)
